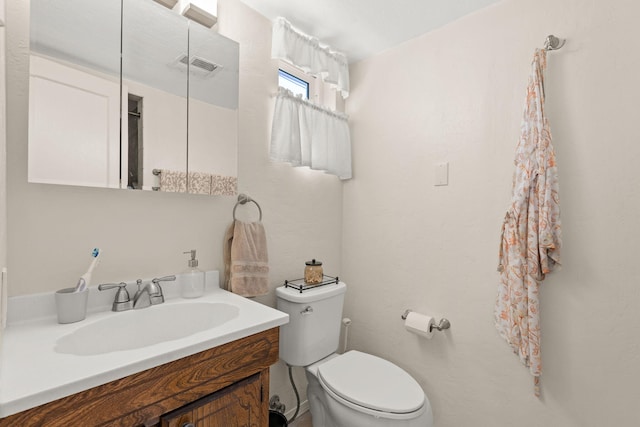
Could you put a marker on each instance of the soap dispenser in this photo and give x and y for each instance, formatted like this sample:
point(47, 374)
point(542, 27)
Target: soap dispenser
point(192, 285)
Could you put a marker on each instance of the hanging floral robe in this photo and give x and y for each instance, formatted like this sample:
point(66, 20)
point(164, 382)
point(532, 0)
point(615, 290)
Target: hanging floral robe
point(531, 239)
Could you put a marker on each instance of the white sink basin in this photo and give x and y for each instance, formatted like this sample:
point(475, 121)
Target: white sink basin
point(141, 328)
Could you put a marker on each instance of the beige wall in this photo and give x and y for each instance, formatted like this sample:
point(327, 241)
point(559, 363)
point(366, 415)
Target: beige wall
point(52, 229)
point(456, 95)
point(453, 95)
point(3, 168)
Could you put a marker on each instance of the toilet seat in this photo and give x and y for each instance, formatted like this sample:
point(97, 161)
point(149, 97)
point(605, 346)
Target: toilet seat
point(371, 384)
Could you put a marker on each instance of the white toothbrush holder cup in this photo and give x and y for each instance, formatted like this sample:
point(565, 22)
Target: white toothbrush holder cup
point(71, 305)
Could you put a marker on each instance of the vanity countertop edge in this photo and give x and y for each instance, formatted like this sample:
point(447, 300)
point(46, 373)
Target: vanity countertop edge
point(32, 373)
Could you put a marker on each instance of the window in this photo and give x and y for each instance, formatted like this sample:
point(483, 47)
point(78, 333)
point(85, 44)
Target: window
point(311, 88)
point(296, 85)
point(297, 81)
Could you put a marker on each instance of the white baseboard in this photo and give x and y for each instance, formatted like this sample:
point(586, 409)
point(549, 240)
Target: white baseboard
point(304, 407)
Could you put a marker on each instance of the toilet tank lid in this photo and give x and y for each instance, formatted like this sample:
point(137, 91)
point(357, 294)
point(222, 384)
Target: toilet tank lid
point(372, 382)
point(310, 295)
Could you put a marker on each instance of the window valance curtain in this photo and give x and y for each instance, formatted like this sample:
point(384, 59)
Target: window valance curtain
point(305, 52)
point(305, 134)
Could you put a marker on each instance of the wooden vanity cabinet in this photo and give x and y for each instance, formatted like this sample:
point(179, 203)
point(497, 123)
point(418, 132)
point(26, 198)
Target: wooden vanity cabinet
point(225, 386)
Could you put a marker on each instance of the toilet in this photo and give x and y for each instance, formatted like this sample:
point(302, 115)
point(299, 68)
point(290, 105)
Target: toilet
point(353, 389)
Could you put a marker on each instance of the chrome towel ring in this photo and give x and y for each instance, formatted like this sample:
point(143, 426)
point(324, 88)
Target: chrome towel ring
point(243, 199)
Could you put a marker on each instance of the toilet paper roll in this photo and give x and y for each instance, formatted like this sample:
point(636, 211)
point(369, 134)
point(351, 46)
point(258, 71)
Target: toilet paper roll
point(419, 324)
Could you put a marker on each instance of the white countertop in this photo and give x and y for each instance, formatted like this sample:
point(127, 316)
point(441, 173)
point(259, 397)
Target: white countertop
point(32, 373)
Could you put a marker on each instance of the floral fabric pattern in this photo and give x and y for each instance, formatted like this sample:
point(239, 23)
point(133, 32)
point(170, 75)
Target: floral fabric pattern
point(531, 235)
point(199, 183)
point(173, 181)
point(224, 185)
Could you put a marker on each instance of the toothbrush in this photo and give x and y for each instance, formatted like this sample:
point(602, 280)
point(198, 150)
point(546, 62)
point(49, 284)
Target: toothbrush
point(85, 279)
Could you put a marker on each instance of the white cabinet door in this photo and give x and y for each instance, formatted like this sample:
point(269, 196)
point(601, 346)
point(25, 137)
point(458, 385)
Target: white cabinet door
point(74, 126)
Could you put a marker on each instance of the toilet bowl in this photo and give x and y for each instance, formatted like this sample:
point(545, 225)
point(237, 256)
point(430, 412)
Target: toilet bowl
point(357, 389)
point(353, 389)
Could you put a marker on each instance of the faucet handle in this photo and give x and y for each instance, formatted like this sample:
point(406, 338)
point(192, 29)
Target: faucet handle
point(158, 297)
point(122, 288)
point(122, 300)
point(164, 279)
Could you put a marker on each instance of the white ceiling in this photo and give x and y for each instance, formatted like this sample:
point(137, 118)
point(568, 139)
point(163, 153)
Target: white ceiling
point(361, 28)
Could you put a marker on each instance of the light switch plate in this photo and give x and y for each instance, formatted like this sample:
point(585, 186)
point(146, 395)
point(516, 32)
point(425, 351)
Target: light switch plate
point(441, 174)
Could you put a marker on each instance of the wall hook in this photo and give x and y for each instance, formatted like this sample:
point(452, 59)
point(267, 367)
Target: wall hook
point(553, 43)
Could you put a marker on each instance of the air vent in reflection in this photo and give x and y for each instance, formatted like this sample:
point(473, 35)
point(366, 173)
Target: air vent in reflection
point(199, 65)
point(205, 65)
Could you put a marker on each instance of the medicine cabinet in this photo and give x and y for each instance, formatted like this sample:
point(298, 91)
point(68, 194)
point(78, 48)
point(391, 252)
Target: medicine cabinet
point(120, 89)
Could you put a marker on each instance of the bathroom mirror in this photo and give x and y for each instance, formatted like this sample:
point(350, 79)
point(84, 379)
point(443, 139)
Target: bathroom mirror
point(213, 114)
point(170, 107)
point(155, 90)
point(74, 93)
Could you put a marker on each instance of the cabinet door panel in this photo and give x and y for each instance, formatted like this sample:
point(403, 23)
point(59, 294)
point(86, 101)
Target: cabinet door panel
point(74, 121)
point(238, 405)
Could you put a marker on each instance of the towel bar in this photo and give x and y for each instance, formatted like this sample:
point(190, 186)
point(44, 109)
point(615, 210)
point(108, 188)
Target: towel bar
point(242, 199)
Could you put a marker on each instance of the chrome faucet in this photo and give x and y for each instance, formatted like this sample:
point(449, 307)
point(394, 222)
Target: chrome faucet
point(153, 290)
point(122, 302)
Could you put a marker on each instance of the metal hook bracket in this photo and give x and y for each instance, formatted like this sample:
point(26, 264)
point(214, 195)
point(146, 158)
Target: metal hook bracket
point(442, 324)
point(243, 199)
point(553, 43)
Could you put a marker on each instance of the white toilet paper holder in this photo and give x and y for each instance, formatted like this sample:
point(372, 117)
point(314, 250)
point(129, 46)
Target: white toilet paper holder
point(442, 324)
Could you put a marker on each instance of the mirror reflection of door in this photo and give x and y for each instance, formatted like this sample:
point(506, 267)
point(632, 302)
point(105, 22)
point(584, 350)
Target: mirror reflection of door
point(74, 93)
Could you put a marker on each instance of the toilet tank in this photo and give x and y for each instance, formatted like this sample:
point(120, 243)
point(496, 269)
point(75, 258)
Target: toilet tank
point(313, 331)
